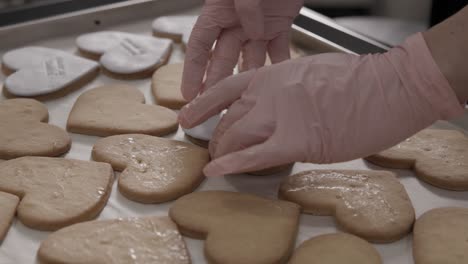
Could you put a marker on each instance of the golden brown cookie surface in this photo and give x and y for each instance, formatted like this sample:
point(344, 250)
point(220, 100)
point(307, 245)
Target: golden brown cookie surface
point(118, 109)
point(438, 157)
point(370, 204)
point(154, 170)
point(25, 131)
point(56, 192)
point(119, 241)
point(440, 236)
point(336, 248)
point(239, 228)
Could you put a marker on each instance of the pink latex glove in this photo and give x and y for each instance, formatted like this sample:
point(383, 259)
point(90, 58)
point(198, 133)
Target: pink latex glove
point(251, 26)
point(322, 109)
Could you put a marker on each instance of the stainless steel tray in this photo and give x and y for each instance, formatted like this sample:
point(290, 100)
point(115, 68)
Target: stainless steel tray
point(21, 244)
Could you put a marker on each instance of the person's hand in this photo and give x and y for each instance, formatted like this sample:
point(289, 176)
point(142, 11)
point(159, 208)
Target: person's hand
point(252, 27)
point(326, 108)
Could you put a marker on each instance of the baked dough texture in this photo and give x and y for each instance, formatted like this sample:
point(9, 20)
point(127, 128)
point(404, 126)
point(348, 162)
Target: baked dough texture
point(166, 85)
point(45, 73)
point(440, 236)
point(56, 192)
point(119, 109)
point(438, 157)
point(373, 205)
point(336, 248)
point(25, 131)
point(120, 241)
point(154, 170)
point(125, 55)
point(238, 228)
point(8, 204)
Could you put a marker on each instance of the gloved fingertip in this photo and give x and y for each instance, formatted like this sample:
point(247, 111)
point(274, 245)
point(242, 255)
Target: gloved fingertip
point(183, 120)
point(214, 169)
point(254, 31)
point(188, 94)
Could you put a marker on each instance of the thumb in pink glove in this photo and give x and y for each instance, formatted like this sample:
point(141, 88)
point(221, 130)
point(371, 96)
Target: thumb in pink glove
point(251, 26)
point(322, 109)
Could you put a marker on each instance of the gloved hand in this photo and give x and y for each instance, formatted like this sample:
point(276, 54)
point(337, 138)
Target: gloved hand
point(250, 26)
point(322, 109)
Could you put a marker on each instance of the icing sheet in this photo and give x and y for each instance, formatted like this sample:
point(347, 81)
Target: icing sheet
point(42, 70)
point(205, 130)
point(125, 53)
point(177, 26)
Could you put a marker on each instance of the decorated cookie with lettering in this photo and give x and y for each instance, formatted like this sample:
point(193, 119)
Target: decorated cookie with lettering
point(119, 109)
point(25, 131)
point(438, 157)
point(440, 236)
point(45, 73)
point(119, 241)
point(56, 192)
point(154, 170)
point(125, 55)
point(373, 205)
point(177, 28)
point(166, 86)
point(336, 248)
point(8, 204)
point(238, 227)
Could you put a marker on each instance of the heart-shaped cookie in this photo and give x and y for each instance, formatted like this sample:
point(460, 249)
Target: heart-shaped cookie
point(337, 248)
point(373, 205)
point(440, 236)
point(118, 109)
point(25, 131)
point(238, 227)
point(8, 204)
point(45, 73)
point(154, 170)
point(177, 28)
point(438, 157)
point(126, 55)
point(56, 192)
point(120, 241)
point(166, 86)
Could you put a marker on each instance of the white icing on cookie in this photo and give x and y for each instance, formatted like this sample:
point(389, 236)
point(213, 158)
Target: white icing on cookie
point(29, 57)
point(125, 53)
point(174, 27)
point(41, 71)
point(100, 42)
point(205, 130)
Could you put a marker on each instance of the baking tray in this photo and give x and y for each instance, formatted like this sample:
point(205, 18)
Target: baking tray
point(59, 32)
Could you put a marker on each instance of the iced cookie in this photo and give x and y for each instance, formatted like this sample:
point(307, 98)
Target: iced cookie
point(125, 55)
point(335, 249)
point(25, 131)
point(119, 241)
point(440, 236)
point(8, 204)
point(373, 205)
point(45, 73)
point(438, 157)
point(119, 109)
point(238, 228)
point(56, 192)
point(166, 86)
point(154, 170)
point(177, 28)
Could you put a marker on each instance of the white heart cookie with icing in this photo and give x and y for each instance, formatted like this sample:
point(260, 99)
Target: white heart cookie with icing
point(177, 28)
point(37, 71)
point(126, 55)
